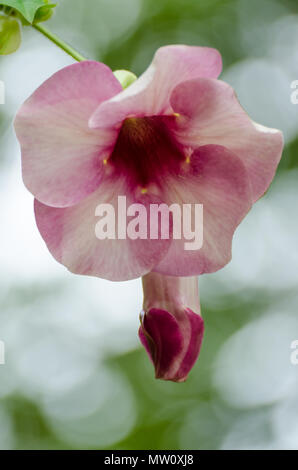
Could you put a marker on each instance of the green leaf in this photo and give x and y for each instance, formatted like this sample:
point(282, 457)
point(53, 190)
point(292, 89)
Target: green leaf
point(27, 8)
point(44, 13)
point(10, 35)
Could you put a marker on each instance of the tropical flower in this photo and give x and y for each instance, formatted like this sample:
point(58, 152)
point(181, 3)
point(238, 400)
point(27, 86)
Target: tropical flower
point(175, 135)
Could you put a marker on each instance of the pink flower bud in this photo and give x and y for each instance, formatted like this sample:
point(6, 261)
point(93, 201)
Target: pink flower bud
point(170, 331)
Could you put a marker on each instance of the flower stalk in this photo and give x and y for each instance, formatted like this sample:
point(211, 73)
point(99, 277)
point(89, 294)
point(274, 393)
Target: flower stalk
point(159, 291)
point(59, 42)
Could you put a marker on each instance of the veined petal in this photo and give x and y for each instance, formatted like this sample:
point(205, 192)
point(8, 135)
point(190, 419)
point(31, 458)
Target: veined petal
point(150, 94)
point(212, 114)
point(217, 179)
point(61, 156)
point(70, 234)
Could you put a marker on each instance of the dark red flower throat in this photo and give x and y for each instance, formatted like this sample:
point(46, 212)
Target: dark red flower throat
point(146, 149)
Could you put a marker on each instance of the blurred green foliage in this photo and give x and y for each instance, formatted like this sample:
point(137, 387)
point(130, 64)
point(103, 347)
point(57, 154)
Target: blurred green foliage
point(28, 8)
point(10, 35)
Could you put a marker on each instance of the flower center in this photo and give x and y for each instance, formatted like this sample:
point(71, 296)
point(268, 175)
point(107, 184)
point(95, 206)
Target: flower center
point(146, 150)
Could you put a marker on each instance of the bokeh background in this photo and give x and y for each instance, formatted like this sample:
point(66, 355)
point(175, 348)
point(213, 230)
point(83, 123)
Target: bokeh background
point(75, 375)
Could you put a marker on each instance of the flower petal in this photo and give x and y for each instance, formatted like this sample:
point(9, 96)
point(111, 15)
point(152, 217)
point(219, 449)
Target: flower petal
point(170, 331)
point(150, 94)
point(71, 238)
point(172, 343)
point(215, 116)
point(161, 336)
point(61, 156)
point(217, 179)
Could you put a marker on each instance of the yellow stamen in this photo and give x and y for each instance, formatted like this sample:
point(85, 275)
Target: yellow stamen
point(188, 154)
point(176, 114)
point(144, 190)
point(105, 161)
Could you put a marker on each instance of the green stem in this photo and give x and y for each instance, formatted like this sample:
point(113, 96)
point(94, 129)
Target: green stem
point(56, 40)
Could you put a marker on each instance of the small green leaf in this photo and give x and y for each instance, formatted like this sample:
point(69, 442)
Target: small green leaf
point(44, 13)
point(10, 35)
point(27, 8)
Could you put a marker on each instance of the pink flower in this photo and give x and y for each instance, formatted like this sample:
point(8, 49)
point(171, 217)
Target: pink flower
point(170, 331)
point(176, 135)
